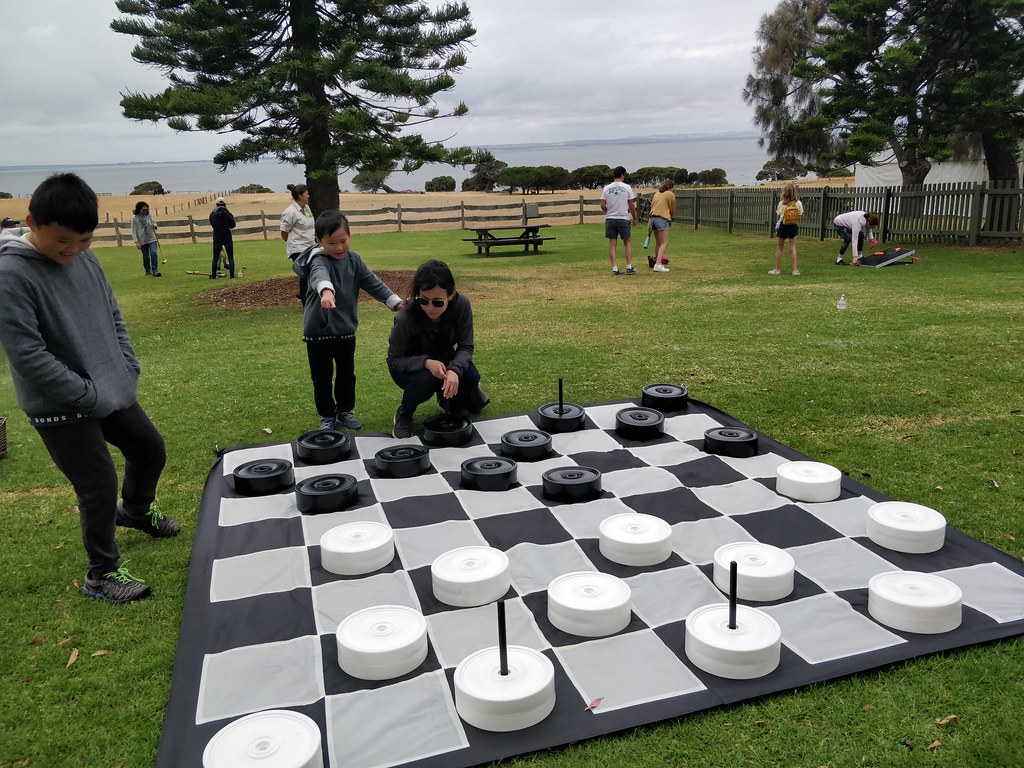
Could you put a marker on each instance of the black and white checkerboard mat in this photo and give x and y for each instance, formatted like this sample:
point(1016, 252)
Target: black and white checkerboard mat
point(258, 630)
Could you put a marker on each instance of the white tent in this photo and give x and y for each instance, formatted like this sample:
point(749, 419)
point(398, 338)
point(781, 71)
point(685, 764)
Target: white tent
point(954, 171)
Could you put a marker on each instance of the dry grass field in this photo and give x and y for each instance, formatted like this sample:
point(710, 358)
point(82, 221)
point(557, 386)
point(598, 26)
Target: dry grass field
point(175, 206)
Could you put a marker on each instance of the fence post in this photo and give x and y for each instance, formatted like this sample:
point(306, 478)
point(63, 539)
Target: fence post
point(117, 232)
point(462, 213)
point(728, 214)
point(398, 214)
point(524, 211)
point(886, 204)
point(581, 209)
point(192, 228)
point(824, 213)
point(263, 222)
point(696, 208)
point(977, 205)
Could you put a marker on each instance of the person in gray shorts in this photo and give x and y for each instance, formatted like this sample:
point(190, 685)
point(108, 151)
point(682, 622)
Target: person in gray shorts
point(619, 205)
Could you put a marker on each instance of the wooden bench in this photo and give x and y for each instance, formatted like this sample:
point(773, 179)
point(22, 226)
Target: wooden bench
point(486, 244)
point(527, 235)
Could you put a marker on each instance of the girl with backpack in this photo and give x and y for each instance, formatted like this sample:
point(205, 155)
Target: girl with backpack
point(789, 210)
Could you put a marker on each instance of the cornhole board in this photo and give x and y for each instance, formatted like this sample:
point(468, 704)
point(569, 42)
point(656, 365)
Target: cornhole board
point(886, 257)
point(261, 613)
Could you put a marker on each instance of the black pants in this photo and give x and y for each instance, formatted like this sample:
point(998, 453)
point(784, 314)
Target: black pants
point(303, 280)
point(225, 242)
point(419, 386)
point(333, 393)
point(80, 451)
point(847, 235)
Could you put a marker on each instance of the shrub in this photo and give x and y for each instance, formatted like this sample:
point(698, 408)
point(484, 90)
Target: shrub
point(251, 189)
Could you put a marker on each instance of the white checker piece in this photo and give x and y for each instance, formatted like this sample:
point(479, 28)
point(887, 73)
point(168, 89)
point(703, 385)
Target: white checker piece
point(315, 526)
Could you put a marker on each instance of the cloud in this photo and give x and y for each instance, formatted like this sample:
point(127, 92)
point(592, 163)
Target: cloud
point(538, 71)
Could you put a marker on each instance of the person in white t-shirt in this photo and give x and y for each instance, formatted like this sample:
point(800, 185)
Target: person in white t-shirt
point(619, 205)
point(851, 227)
point(297, 225)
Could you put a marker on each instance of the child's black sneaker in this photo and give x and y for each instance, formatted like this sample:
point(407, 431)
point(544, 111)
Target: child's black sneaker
point(630, 270)
point(116, 587)
point(402, 426)
point(155, 523)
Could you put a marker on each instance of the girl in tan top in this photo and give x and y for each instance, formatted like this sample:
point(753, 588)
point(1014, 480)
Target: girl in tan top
point(663, 210)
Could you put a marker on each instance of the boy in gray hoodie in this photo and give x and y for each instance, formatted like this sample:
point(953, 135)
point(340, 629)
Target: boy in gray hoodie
point(329, 317)
point(75, 375)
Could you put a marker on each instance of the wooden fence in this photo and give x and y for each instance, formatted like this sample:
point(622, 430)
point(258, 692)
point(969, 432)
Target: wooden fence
point(390, 218)
point(966, 213)
point(951, 213)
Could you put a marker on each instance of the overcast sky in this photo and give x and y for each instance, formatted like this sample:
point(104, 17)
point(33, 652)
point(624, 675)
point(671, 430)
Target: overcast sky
point(538, 71)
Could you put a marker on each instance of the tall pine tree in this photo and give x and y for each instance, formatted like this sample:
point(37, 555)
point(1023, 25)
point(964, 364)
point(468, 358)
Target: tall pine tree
point(328, 85)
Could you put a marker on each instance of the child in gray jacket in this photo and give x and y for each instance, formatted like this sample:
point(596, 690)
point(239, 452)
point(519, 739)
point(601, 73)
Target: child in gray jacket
point(76, 375)
point(329, 317)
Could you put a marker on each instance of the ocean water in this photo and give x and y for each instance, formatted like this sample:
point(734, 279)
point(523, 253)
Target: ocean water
point(741, 159)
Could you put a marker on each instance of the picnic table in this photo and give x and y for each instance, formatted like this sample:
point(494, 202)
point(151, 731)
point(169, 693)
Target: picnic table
point(490, 237)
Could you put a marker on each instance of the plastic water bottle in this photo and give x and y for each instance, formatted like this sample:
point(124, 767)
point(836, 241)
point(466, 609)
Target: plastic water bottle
point(647, 241)
point(841, 304)
point(241, 272)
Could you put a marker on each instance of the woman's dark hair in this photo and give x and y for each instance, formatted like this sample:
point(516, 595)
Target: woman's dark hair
point(432, 274)
point(297, 190)
point(140, 205)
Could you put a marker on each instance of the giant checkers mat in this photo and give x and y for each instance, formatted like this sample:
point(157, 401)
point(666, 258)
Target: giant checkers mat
point(258, 630)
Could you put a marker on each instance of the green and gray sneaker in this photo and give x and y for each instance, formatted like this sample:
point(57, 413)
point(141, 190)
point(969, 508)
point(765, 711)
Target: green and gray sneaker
point(155, 523)
point(116, 587)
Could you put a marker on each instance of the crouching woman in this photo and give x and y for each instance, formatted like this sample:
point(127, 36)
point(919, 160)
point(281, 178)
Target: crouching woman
point(430, 351)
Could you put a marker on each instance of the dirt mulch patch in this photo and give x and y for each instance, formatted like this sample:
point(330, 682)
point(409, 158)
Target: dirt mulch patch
point(280, 291)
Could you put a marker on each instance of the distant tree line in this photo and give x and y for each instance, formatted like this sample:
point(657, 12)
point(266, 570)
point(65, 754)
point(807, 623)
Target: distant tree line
point(490, 174)
point(535, 179)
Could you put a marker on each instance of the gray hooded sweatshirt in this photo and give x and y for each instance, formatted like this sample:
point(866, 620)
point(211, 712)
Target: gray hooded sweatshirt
point(65, 340)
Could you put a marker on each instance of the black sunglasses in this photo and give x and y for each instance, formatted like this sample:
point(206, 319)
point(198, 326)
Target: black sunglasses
point(436, 302)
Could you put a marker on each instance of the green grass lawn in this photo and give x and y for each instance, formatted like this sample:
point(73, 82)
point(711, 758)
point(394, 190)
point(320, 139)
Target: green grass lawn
point(915, 389)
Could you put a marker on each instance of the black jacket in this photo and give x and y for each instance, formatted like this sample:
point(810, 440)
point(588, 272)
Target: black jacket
point(222, 221)
point(415, 339)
